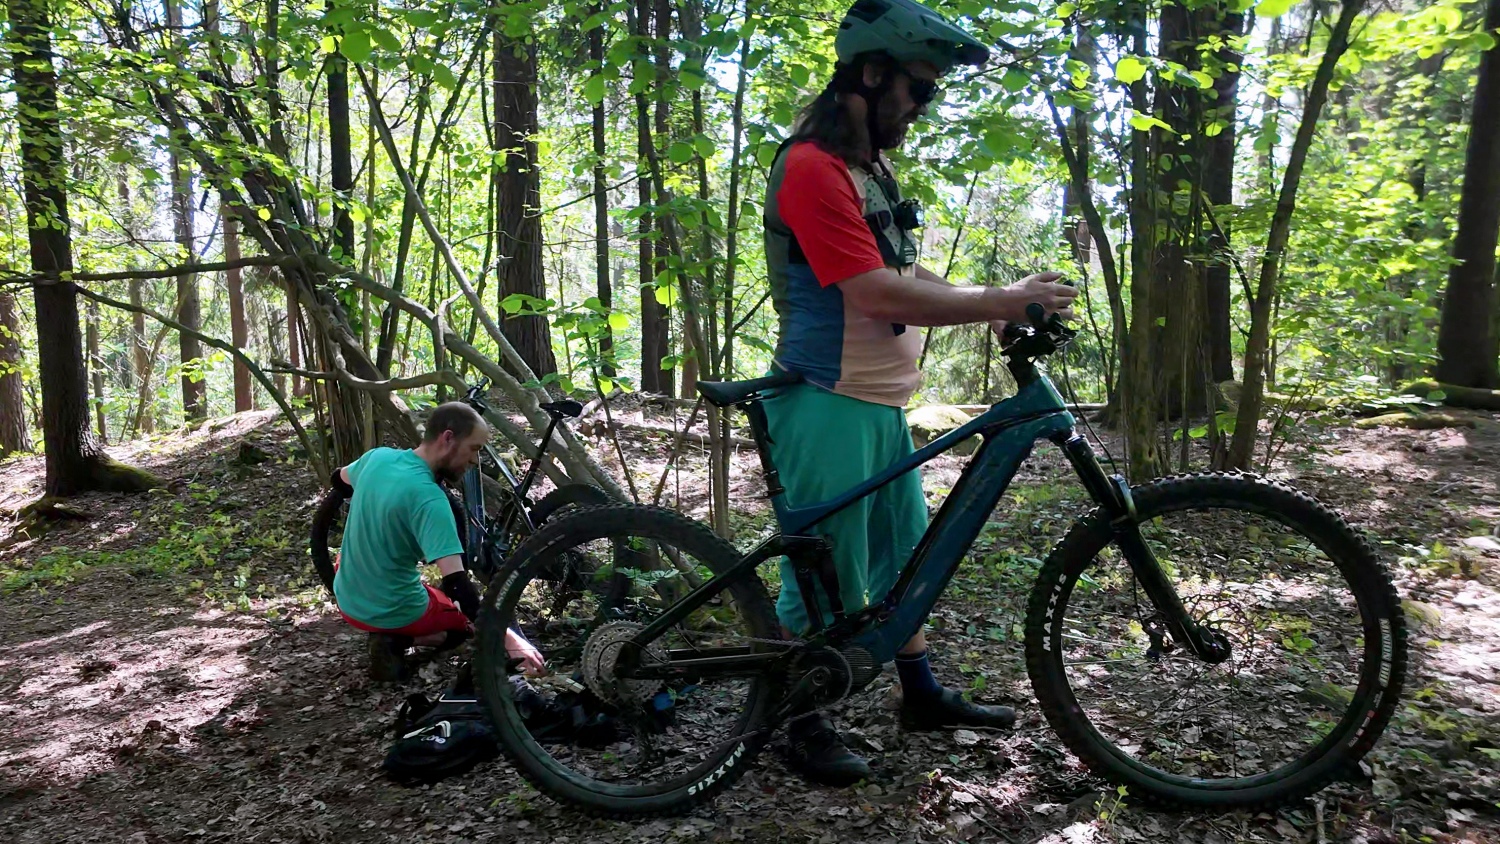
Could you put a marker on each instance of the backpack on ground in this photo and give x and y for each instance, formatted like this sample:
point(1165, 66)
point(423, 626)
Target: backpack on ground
point(441, 738)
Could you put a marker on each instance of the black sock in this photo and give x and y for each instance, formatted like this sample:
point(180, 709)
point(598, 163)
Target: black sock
point(915, 673)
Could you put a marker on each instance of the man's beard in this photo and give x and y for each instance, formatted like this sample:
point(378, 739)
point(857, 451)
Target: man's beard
point(887, 131)
point(450, 474)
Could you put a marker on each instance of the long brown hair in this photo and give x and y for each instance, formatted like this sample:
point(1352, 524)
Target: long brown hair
point(826, 120)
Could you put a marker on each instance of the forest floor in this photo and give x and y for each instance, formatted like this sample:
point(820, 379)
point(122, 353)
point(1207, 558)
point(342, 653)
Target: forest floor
point(169, 671)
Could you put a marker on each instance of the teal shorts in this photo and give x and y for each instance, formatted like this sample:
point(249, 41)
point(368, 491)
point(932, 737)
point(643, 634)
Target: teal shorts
point(824, 444)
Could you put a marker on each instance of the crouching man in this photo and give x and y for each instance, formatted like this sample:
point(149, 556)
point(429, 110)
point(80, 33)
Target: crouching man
point(399, 516)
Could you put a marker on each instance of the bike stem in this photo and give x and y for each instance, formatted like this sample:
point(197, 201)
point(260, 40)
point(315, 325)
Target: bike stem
point(1113, 496)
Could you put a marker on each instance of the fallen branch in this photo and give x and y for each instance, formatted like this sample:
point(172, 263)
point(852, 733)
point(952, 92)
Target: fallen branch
point(427, 379)
point(1415, 421)
point(1476, 398)
point(644, 429)
point(167, 272)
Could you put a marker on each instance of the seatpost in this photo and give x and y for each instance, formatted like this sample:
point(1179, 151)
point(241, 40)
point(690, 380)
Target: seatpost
point(757, 416)
point(541, 451)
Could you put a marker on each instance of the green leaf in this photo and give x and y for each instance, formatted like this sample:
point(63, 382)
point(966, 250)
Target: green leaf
point(1447, 17)
point(1203, 79)
point(386, 39)
point(690, 80)
point(800, 75)
point(666, 295)
point(263, 213)
point(766, 154)
point(704, 146)
point(1273, 8)
point(355, 45)
point(1130, 69)
point(328, 44)
point(443, 75)
point(119, 155)
point(1014, 80)
point(1144, 122)
point(1065, 9)
point(618, 321)
point(593, 89)
point(680, 152)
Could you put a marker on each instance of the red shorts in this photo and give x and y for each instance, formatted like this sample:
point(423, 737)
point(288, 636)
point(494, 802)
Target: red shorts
point(441, 616)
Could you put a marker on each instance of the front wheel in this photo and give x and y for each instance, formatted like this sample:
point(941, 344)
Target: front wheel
point(1317, 646)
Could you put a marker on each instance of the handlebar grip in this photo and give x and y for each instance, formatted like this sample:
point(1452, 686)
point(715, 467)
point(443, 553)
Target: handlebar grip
point(1036, 314)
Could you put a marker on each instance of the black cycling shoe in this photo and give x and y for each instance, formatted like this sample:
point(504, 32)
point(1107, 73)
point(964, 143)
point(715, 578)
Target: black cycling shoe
point(816, 751)
point(388, 657)
point(949, 710)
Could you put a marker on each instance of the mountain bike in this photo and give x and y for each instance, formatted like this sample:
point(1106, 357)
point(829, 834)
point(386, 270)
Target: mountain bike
point(489, 527)
point(1210, 641)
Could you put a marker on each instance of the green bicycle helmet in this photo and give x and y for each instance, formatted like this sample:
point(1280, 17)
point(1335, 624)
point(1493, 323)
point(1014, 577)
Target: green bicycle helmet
point(907, 32)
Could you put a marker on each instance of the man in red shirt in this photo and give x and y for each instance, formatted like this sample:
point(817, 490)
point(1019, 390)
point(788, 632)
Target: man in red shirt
point(846, 284)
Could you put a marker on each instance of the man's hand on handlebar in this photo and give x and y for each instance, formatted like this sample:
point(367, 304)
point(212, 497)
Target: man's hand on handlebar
point(1044, 289)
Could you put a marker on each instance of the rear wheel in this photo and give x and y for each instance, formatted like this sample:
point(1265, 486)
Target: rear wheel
point(1316, 635)
point(668, 745)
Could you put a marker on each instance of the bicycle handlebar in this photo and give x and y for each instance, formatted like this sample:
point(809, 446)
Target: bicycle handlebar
point(474, 396)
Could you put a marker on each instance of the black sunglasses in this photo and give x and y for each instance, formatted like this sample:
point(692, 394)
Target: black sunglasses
point(923, 91)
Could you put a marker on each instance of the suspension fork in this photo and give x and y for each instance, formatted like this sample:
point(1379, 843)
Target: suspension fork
point(1112, 494)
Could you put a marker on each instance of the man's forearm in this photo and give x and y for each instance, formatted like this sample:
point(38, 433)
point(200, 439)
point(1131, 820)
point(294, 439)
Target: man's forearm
point(883, 294)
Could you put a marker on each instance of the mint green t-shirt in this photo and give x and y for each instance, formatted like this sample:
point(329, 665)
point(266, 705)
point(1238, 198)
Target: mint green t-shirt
point(398, 516)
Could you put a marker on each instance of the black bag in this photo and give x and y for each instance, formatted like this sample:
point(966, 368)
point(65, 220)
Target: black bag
point(440, 738)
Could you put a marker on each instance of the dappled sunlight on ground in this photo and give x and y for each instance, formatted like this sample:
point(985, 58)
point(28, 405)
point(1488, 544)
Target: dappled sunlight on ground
point(75, 702)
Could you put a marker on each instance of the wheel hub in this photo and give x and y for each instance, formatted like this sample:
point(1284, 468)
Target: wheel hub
point(601, 660)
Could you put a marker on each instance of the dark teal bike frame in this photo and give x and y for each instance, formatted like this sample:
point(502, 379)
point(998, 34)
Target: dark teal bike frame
point(1010, 428)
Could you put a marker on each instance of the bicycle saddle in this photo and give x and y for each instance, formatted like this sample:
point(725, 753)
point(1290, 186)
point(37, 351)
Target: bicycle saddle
point(566, 407)
point(726, 393)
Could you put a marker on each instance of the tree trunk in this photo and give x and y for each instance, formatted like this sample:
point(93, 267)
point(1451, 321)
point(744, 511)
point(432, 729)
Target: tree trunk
point(341, 154)
point(1218, 175)
point(662, 64)
point(1247, 420)
point(294, 338)
point(190, 351)
point(15, 434)
point(1467, 341)
point(140, 356)
point(603, 289)
point(273, 77)
point(653, 316)
point(96, 369)
point(1140, 412)
point(239, 328)
point(519, 220)
point(74, 460)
